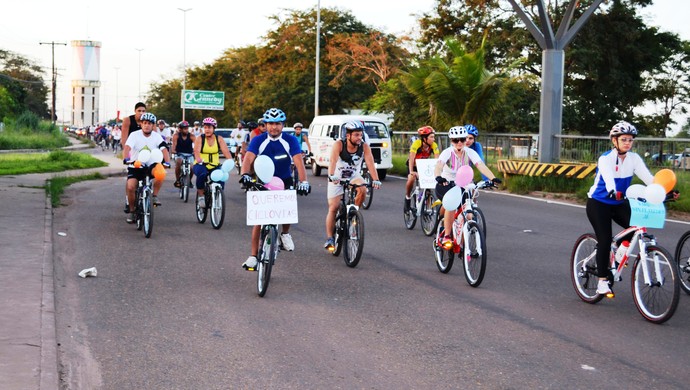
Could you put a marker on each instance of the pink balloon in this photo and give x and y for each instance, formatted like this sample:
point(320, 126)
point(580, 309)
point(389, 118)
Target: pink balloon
point(275, 184)
point(464, 176)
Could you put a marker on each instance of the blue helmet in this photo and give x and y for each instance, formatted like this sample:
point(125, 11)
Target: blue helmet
point(149, 117)
point(471, 129)
point(274, 115)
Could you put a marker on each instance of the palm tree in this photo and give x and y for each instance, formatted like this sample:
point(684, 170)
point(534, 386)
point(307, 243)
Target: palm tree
point(458, 88)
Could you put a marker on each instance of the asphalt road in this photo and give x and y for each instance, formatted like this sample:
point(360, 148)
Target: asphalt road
point(178, 312)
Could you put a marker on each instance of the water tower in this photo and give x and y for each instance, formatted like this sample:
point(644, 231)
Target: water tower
point(86, 70)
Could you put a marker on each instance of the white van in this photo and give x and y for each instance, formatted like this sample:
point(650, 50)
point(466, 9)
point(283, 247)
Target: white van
point(326, 129)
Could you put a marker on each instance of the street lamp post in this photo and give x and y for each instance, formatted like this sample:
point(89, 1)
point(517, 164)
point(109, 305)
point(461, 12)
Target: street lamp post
point(318, 49)
point(184, 54)
point(117, 94)
point(139, 50)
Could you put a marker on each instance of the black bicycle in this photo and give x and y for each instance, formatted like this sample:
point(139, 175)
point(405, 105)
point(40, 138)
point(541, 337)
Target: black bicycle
point(144, 204)
point(683, 261)
point(268, 248)
point(370, 189)
point(349, 226)
point(185, 175)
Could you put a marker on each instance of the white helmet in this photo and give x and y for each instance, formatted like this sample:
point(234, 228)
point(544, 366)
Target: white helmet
point(457, 132)
point(621, 128)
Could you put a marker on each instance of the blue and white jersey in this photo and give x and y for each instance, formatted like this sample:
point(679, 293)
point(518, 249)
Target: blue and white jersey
point(280, 150)
point(614, 174)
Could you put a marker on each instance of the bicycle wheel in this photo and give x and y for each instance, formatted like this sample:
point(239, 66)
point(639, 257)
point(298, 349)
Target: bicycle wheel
point(474, 254)
point(683, 259)
point(138, 211)
point(185, 187)
point(217, 208)
point(658, 300)
point(201, 212)
point(410, 216)
point(429, 214)
point(354, 243)
point(295, 175)
point(369, 197)
point(444, 258)
point(266, 257)
point(148, 215)
point(479, 218)
point(339, 230)
point(583, 268)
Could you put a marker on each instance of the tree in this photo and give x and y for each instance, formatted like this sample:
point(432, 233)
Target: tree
point(22, 80)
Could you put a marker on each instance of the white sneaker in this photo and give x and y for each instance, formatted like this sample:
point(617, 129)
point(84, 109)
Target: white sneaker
point(603, 287)
point(250, 263)
point(286, 242)
point(201, 202)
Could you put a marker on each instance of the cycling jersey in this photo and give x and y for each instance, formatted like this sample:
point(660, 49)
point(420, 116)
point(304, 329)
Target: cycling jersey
point(280, 150)
point(453, 163)
point(421, 152)
point(614, 174)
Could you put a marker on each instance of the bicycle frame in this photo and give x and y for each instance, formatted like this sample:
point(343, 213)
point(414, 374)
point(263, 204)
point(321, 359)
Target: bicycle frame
point(640, 239)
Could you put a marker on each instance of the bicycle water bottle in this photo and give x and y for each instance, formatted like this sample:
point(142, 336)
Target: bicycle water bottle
point(621, 251)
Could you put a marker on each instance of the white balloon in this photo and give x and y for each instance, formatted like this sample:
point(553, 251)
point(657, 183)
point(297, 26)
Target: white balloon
point(452, 198)
point(156, 156)
point(655, 193)
point(635, 191)
point(144, 156)
point(264, 168)
point(227, 165)
point(217, 175)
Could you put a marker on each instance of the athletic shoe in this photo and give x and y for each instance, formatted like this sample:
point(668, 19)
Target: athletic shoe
point(330, 244)
point(407, 204)
point(603, 288)
point(447, 242)
point(177, 184)
point(286, 242)
point(155, 200)
point(201, 202)
point(131, 218)
point(250, 263)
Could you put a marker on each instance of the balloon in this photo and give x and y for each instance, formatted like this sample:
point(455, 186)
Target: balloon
point(137, 164)
point(156, 156)
point(275, 184)
point(264, 168)
point(159, 172)
point(452, 198)
point(667, 179)
point(217, 175)
point(144, 155)
point(226, 176)
point(635, 191)
point(464, 176)
point(227, 165)
point(655, 193)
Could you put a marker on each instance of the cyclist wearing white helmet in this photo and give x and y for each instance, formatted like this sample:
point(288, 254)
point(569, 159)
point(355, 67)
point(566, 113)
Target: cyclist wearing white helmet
point(450, 160)
point(303, 138)
point(281, 150)
point(346, 160)
point(615, 170)
point(196, 130)
point(207, 149)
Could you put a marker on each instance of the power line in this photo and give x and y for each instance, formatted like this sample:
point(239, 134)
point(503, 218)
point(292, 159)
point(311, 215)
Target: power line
point(52, 108)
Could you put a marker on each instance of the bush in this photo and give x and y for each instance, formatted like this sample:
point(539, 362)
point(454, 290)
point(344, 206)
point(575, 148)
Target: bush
point(27, 120)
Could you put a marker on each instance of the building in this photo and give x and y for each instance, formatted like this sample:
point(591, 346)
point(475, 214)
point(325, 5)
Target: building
point(86, 65)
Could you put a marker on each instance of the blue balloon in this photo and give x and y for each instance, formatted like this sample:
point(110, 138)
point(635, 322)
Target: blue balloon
point(217, 175)
point(227, 166)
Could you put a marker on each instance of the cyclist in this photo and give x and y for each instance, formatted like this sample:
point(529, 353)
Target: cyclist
point(164, 130)
point(117, 136)
point(132, 123)
point(450, 160)
point(302, 137)
point(260, 129)
point(207, 149)
point(196, 131)
point(182, 146)
point(421, 148)
point(472, 143)
point(615, 170)
point(136, 142)
point(238, 135)
point(281, 150)
point(346, 160)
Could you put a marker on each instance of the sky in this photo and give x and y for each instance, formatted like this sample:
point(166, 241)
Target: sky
point(212, 26)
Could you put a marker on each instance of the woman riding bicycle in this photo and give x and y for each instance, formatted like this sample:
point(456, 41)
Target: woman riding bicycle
point(207, 149)
point(450, 160)
point(615, 170)
point(421, 148)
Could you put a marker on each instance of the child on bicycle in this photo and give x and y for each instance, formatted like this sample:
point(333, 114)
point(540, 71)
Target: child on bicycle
point(421, 148)
point(450, 160)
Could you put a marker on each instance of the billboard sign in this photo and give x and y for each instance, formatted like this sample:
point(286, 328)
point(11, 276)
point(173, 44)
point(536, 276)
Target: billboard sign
point(203, 100)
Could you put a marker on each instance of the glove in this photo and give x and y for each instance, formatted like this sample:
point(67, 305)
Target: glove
point(376, 184)
point(440, 180)
point(334, 179)
point(125, 161)
point(303, 188)
point(496, 180)
point(672, 195)
point(166, 165)
point(616, 195)
point(245, 180)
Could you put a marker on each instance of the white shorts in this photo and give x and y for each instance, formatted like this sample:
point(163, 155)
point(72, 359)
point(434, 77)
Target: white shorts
point(337, 189)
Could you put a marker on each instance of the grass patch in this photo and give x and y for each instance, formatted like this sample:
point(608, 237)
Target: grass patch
point(28, 132)
point(55, 187)
point(55, 161)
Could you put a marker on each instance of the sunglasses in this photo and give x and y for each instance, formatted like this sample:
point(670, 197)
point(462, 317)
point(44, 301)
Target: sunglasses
point(456, 140)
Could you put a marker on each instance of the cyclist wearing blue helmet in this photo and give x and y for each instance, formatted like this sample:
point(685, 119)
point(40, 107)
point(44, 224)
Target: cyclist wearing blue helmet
point(472, 143)
point(282, 151)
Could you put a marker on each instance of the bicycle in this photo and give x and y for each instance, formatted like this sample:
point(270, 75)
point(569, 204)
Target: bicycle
point(467, 235)
point(268, 248)
point(349, 226)
point(654, 282)
point(214, 200)
point(421, 205)
point(683, 260)
point(185, 175)
point(369, 197)
point(143, 201)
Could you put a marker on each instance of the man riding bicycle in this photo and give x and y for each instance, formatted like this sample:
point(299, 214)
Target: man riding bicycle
point(421, 148)
point(347, 156)
point(183, 147)
point(281, 150)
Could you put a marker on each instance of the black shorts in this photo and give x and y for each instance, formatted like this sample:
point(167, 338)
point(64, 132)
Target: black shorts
point(139, 173)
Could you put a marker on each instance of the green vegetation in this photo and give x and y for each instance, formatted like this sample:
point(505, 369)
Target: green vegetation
point(29, 132)
point(55, 187)
point(56, 161)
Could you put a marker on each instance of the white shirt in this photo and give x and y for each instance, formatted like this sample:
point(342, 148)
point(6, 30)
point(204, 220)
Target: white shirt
point(238, 135)
point(138, 142)
point(453, 163)
point(165, 133)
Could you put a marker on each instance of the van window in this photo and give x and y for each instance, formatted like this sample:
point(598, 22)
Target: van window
point(376, 129)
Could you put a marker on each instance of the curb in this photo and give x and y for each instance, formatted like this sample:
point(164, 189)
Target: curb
point(49, 376)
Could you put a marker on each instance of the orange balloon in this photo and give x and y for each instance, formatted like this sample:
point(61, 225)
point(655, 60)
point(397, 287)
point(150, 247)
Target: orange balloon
point(667, 179)
point(159, 172)
point(137, 164)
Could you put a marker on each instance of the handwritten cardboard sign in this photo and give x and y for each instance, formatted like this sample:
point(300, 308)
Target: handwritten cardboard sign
point(646, 214)
point(271, 207)
point(425, 169)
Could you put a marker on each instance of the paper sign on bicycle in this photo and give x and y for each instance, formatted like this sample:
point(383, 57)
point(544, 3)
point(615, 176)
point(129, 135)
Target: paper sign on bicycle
point(646, 214)
point(271, 207)
point(425, 169)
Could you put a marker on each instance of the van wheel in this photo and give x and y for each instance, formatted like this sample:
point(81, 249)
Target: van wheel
point(315, 169)
point(382, 174)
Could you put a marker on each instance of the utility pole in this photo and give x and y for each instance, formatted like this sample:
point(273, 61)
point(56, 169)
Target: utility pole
point(184, 56)
point(52, 108)
point(318, 50)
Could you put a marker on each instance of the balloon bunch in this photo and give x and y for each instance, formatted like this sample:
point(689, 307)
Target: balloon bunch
point(264, 168)
point(223, 174)
point(655, 193)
